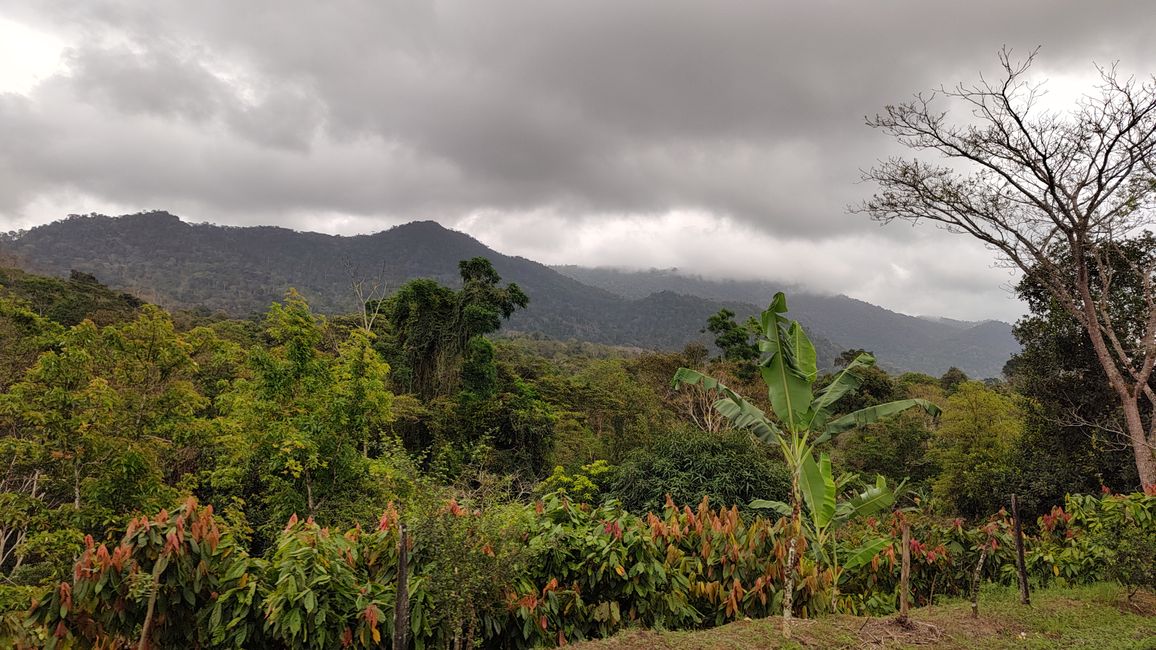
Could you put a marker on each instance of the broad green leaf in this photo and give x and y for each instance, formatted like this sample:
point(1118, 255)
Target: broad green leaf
point(873, 414)
point(803, 353)
point(864, 553)
point(818, 486)
point(787, 381)
point(734, 407)
point(783, 509)
point(848, 380)
point(778, 303)
point(874, 499)
point(790, 395)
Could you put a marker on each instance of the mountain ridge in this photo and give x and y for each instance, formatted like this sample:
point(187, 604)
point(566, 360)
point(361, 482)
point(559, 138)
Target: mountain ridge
point(241, 270)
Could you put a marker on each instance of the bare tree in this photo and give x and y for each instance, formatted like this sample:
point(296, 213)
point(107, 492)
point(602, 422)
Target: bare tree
point(1053, 193)
point(370, 294)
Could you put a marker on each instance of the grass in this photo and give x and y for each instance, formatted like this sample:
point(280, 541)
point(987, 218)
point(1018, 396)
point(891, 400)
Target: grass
point(1098, 616)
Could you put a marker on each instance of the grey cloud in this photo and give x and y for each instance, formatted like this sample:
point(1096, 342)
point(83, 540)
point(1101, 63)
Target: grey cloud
point(386, 110)
point(155, 82)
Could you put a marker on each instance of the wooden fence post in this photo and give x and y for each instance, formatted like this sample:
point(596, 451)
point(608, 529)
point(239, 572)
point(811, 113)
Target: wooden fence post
point(975, 579)
point(401, 603)
point(1021, 567)
point(905, 575)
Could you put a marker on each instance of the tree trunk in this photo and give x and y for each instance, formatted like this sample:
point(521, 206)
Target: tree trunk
point(789, 588)
point(792, 555)
point(1142, 448)
point(147, 626)
point(75, 485)
point(309, 493)
point(401, 600)
point(1129, 394)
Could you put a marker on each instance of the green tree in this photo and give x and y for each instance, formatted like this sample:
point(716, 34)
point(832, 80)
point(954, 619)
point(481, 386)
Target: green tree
point(737, 342)
point(951, 379)
point(1073, 439)
point(308, 421)
point(361, 404)
point(430, 326)
point(847, 356)
point(107, 404)
point(26, 335)
point(731, 468)
point(897, 449)
point(974, 447)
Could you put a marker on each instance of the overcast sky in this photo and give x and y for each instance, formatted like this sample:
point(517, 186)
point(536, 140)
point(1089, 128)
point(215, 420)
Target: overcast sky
point(719, 137)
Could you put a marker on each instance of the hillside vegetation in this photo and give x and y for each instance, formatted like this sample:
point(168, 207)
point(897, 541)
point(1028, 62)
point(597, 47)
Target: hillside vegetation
point(242, 270)
point(244, 483)
point(902, 342)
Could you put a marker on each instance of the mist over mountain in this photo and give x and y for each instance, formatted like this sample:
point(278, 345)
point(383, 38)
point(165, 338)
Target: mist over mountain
point(242, 270)
point(924, 343)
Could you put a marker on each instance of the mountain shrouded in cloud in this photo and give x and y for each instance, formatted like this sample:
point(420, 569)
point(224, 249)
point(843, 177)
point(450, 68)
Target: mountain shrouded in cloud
point(552, 130)
point(242, 270)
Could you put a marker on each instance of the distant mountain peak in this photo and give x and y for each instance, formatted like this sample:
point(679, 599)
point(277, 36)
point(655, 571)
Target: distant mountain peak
point(421, 226)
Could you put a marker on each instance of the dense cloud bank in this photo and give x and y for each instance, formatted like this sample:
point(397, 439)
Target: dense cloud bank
point(721, 137)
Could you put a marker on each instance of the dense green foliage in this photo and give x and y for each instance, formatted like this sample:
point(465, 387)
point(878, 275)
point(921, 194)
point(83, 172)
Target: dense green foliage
point(974, 448)
point(582, 572)
point(729, 467)
point(533, 476)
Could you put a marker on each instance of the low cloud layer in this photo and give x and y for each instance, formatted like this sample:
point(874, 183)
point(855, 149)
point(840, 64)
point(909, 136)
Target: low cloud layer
point(722, 138)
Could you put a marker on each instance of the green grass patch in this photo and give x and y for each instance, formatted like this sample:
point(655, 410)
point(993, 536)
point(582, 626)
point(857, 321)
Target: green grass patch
point(1099, 616)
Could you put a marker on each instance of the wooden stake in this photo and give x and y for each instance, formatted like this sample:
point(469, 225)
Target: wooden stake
point(905, 576)
point(401, 604)
point(975, 580)
point(1021, 567)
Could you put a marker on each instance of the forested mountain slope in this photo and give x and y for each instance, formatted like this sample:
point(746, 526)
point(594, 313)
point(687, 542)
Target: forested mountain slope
point(242, 270)
point(900, 341)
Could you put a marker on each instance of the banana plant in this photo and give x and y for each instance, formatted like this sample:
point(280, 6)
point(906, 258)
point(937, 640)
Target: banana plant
point(802, 419)
point(826, 513)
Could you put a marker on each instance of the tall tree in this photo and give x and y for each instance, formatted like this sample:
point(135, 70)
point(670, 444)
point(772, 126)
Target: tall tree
point(310, 419)
point(1036, 185)
point(737, 342)
point(974, 448)
point(431, 325)
point(1075, 440)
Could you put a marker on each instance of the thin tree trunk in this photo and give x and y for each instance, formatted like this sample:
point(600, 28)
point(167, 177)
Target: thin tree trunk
point(1021, 569)
point(975, 580)
point(309, 493)
point(470, 631)
point(75, 485)
point(789, 588)
point(401, 601)
point(146, 627)
point(905, 575)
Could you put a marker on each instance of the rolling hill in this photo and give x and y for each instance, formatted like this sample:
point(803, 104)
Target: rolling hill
point(242, 270)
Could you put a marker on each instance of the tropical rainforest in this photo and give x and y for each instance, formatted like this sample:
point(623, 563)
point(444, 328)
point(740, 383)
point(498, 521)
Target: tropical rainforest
point(186, 479)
